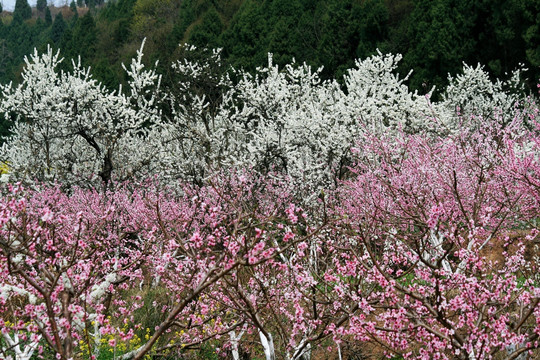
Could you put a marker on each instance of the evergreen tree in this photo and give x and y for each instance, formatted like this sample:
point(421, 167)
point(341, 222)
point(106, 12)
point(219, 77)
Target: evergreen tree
point(340, 37)
point(41, 5)
point(373, 16)
point(206, 34)
point(245, 41)
point(501, 27)
point(283, 31)
point(1, 9)
point(103, 71)
point(66, 45)
point(80, 3)
point(22, 11)
point(48, 16)
point(532, 35)
point(186, 18)
point(121, 9)
point(73, 6)
point(441, 37)
point(58, 28)
point(83, 38)
point(20, 41)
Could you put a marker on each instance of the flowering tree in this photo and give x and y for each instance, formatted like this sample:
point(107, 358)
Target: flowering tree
point(289, 120)
point(473, 97)
point(446, 232)
point(60, 278)
point(75, 130)
point(256, 122)
point(224, 233)
point(423, 243)
point(286, 120)
point(59, 275)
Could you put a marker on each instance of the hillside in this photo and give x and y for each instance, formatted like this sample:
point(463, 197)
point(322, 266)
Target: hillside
point(435, 37)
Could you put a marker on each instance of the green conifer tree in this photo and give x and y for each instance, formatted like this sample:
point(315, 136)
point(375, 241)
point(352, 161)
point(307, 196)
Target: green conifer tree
point(73, 6)
point(83, 39)
point(58, 28)
point(41, 5)
point(441, 35)
point(48, 16)
point(206, 33)
point(245, 41)
point(22, 11)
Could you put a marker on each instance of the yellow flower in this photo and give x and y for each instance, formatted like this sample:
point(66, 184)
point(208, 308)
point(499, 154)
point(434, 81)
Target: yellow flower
point(4, 168)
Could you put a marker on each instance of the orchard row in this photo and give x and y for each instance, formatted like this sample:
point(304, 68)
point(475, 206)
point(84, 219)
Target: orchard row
point(428, 249)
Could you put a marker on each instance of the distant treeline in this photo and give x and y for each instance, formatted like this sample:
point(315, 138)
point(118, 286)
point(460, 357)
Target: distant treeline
point(434, 36)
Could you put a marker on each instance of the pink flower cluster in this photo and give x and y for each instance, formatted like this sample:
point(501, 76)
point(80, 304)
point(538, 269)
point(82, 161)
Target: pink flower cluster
point(429, 251)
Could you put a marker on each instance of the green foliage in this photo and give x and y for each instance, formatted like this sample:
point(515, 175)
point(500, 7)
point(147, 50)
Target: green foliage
point(350, 29)
point(22, 11)
point(206, 34)
point(501, 43)
point(41, 5)
point(245, 40)
point(373, 27)
point(83, 39)
point(435, 36)
point(73, 7)
point(532, 33)
point(103, 71)
point(58, 28)
point(440, 37)
point(154, 20)
point(186, 17)
point(208, 352)
point(283, 31)
point(115, 10)
point(149, 14)
point(48, 17)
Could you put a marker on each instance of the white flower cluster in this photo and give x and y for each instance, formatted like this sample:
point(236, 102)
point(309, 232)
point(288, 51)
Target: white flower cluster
point(472, 96)
point(70, 129)
point(288, 119)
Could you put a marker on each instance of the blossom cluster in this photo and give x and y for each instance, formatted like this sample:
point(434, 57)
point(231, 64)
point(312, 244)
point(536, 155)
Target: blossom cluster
point(430, 249)
point(69, 128)
point(277, 215)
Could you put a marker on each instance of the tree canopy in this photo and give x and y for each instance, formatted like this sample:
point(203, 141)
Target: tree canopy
point(434, 36)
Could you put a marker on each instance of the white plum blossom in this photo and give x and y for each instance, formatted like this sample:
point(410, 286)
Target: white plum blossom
point(68, 128)
point(473, 95)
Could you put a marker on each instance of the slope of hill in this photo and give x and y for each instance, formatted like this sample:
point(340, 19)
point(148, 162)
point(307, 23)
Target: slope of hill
point(435, 37)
